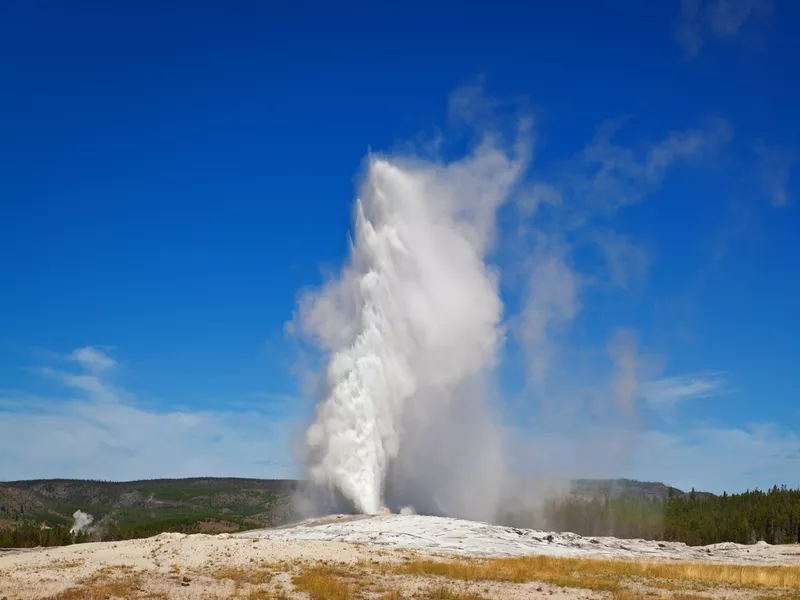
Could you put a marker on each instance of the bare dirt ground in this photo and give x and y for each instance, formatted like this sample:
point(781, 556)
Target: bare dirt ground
point(395, 557)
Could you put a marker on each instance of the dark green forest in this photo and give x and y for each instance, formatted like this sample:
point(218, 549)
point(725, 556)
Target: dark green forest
point(773, 517)
point(30, 535)
point(694, 518)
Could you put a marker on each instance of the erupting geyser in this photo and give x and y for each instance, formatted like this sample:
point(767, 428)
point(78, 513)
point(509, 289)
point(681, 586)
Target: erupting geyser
point(413, 315)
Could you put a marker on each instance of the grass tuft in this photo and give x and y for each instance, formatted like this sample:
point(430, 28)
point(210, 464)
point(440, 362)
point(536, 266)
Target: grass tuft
point(260, 594)
point(445, 593)
point(251, 576)
point(327, 582)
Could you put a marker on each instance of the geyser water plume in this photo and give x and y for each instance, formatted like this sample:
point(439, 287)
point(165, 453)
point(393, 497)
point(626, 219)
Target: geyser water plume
point(408, 328)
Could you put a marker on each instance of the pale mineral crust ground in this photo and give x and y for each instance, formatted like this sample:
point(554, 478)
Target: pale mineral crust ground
point(362, 557)
point(457, 536)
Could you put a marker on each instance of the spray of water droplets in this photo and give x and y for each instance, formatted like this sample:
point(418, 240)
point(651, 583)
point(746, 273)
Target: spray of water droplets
point(413, 314)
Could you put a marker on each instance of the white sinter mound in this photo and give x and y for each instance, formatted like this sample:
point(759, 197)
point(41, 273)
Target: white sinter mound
point(457, 536)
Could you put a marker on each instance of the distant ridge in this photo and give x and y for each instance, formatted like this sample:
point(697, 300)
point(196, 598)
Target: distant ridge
point(260, 502)
point(250, 502)
point(627, 488)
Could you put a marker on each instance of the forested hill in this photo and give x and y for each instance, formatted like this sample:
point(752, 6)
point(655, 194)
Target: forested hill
point(624, 488)
point(248, 502)
point(147, 507)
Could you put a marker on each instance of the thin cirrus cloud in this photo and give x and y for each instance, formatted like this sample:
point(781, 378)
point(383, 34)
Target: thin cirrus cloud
point(670, 391)
point(98, 430)
point(774, 166)
point(700, 20)
point(709, 458)
point(92, 359)
point(719, 459)
point(560, 214)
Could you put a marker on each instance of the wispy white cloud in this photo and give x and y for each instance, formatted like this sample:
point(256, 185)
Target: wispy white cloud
point(623, 349)
point(774, 169)
point(726, 17)
point(672, 390)
point(607, 175)
point(538, 193)
point(92, 359)
point(95, 379)
point(688, 31)
point(561, 214)
point(709, 458)
point(627, 263)
point(81, 439)
point(100, 430)
point(551, 302)
point(98, 387)
point(719, 459)
point(721, 19)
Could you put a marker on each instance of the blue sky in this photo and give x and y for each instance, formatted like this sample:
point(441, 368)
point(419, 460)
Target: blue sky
point(171, 177)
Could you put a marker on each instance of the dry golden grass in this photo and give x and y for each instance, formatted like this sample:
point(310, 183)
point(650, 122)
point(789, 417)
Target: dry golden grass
point(445, 593)
point(250, 575)
point(435, 593)
point(101, 588)
point(605, 575)
point(326, 583)
point(260, 594)
point(67, 564)
point(549, 570)
point(111, 570)
point(712, 574)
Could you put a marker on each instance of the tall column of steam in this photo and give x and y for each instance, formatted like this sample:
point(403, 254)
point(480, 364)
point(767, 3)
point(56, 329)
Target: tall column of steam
point(413, 313)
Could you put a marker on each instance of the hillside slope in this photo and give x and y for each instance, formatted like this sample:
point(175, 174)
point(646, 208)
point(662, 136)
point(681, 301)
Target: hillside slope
point(239, 503)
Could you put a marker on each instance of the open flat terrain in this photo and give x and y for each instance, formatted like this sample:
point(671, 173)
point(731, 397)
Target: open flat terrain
point(390, 557)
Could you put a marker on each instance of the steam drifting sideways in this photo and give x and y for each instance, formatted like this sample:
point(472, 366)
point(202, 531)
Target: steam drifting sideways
point(409, 329)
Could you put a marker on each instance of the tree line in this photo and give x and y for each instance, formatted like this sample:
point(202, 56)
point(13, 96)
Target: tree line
point(144, 529)
point(695, 518)
point(31, 534)
point(772, 516)
point(28, 534)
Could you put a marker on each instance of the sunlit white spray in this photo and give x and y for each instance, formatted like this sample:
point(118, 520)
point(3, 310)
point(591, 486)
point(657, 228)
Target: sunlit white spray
point(412, 317)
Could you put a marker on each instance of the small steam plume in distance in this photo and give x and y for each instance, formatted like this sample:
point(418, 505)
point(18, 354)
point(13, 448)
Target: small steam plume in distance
point(82, 520)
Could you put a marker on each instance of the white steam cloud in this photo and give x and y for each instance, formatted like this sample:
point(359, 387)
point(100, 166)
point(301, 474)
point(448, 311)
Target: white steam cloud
point(410, 326)
point(82, 521)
